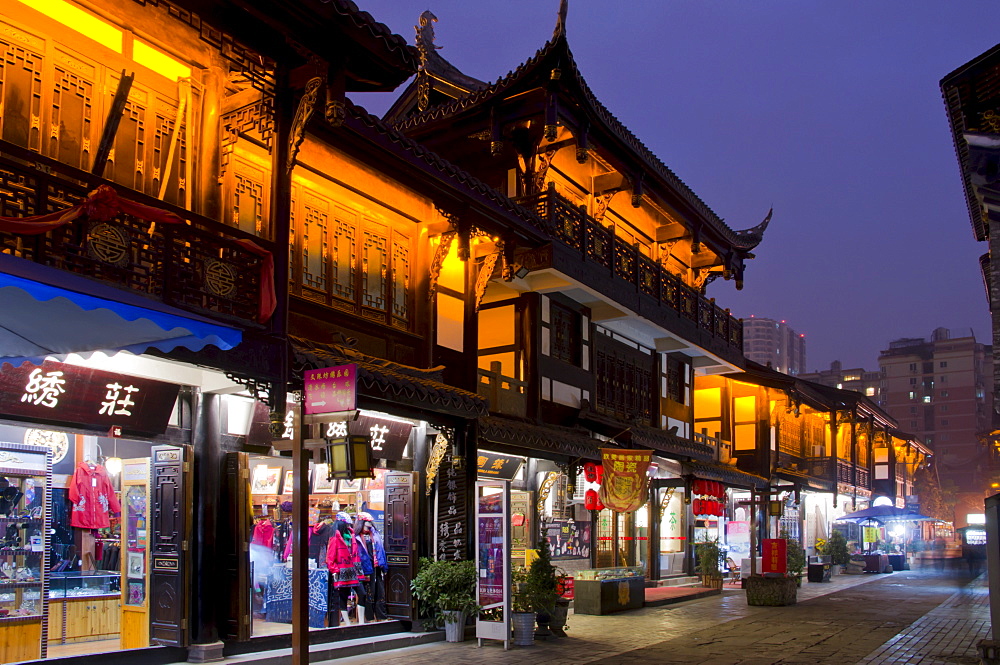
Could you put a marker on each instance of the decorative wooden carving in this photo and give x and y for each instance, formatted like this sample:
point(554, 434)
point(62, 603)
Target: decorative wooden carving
point(302, 114)
point(485, 275)
point(439, 256)
point(601, 203)
point(257, 116)
point(438, 451)
point(542, 163)
point(335, 112)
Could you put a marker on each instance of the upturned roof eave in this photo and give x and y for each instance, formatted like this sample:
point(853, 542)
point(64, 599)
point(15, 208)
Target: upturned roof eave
point(532, 74)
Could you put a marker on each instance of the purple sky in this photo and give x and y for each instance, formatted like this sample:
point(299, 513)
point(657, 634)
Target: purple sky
point(829, 110)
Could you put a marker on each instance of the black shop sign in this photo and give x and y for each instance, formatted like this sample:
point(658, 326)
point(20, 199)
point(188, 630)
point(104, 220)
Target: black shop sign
point(62, 394)
point(495, 465)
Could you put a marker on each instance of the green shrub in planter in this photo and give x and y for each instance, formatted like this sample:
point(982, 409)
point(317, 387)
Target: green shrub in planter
point(709, 562)
point(836, 547)
point(445, 586)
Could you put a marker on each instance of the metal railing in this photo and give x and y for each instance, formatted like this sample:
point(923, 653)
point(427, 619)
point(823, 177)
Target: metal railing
point(198, 266)
point(575, 228)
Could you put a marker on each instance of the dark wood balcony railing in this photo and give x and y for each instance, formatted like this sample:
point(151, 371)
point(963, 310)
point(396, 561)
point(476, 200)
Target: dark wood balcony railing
point(198, 266)
point(575, 228)
point(839, 471)
point(506, 395)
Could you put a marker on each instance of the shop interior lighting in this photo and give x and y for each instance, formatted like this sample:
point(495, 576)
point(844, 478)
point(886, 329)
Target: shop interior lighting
point(81, 21)
point(158, 61)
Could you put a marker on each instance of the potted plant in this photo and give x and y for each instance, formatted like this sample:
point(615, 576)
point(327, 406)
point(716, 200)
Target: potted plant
point(795, 557)
point(709, 563)
point(836, 547)
point(522, 610)
point(446, 591)
point(542, 583)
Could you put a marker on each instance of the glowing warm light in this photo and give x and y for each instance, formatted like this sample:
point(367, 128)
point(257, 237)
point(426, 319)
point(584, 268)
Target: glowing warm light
point(882, 501)
point(976, 518)
point(158, 61)
point(83, 22)
point(113, 465)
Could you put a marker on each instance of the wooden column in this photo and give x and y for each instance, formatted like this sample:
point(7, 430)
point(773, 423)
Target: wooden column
point(205, 573)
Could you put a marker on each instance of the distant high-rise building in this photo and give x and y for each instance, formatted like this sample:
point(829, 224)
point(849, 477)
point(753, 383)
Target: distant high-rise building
point(774, 343)
point(940, 392)
point(859, 380)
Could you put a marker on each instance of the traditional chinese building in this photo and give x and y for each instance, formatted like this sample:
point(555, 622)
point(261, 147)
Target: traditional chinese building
point(602, 332)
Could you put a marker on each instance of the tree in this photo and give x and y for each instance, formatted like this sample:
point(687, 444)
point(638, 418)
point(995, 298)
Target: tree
point(933, 501)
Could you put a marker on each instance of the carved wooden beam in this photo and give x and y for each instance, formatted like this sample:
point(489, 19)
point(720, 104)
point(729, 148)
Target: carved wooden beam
point(485, 275)
point(601, 203)
point(542, 163)
point(302, 114)
point(440, 254)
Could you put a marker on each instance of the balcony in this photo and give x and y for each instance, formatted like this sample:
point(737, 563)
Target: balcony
point(506, 395)
point(599, 246)
point(839, 471)
point(201, 266)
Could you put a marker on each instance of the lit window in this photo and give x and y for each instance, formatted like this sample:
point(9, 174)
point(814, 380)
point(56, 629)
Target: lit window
point(927, 399)
point(869, 392)
point(83, 22)
point(158, 61)
point(840, 386)
point(912, 394)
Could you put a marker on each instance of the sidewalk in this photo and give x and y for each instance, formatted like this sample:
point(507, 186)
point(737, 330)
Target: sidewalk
point(948, 634)
point(905, 617)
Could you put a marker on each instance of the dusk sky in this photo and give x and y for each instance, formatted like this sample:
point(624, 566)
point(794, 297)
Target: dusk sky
point(829, 111)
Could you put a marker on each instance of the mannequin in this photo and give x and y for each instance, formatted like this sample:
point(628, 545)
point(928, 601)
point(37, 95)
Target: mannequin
point(343, 562)
point(373, 565)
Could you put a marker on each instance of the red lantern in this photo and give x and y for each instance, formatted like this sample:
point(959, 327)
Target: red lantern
point(590, 472)
point(696, 507)
point(719, 509)
point(600, 474)
point(591, 501)
point(716, 489)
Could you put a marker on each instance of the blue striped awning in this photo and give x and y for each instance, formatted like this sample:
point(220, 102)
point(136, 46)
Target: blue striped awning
point(46, 312)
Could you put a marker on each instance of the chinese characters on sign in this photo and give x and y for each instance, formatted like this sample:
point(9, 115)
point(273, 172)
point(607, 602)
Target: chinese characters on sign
point(331, 389)
point(775, 555)
point(71, 395)
point(494, 465)
point(387, 439)
point(625, 481)
point(451, 512)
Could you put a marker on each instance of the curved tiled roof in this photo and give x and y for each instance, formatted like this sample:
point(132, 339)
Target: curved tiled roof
point(446, 168)
point(575, 442)
point(388, 380)
point(745, 240)
point(364, 20)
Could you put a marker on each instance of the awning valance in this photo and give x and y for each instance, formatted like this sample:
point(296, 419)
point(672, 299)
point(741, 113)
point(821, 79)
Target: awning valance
point(729, 475)
point(49, 312)
point(533, 437)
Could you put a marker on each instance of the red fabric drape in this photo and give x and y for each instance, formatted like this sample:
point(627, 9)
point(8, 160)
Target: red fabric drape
point(103, 204)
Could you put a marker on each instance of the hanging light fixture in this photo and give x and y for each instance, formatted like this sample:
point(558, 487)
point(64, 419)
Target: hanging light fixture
point(113, 465)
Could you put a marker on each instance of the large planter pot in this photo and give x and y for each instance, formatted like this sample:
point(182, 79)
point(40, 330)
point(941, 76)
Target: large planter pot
point(454, 626)
point(712, 581)
point(836, 569)
point(524, 628)
point(771, 591)
point(558, 616)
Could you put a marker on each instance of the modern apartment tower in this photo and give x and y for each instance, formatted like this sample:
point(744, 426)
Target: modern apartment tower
point(939, 390)
point(775, 344)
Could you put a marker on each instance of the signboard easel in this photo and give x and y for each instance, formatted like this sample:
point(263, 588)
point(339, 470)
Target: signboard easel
point(493, 561)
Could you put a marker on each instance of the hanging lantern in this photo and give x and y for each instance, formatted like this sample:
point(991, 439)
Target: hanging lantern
point(716, 489)
point(696, 507)
point(600, 473)
point(698, 487)
point(590, 500)
point(590, 472)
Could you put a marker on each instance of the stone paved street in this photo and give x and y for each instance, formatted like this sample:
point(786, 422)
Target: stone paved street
point(906, 617)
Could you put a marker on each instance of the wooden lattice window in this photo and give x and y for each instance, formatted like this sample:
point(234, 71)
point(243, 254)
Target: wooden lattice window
point(676, 371)
point(566, 341)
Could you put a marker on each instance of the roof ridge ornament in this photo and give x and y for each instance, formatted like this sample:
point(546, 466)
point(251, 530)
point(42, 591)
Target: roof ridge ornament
point(560, 30)
point(756, 233)
point(425, 35)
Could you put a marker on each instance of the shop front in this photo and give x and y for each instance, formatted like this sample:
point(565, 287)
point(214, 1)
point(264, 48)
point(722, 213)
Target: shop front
point(95, 469)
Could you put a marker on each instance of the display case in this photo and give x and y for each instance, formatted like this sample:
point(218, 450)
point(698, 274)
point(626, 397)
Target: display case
point(77, 584)
point(607, 590)
point(622, 572)
point(25, 497)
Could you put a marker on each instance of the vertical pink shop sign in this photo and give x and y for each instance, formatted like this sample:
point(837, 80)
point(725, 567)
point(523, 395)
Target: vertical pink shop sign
point(331, 389)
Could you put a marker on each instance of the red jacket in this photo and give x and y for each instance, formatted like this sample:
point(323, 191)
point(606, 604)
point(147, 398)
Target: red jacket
point(93, 498)
point(339, 555)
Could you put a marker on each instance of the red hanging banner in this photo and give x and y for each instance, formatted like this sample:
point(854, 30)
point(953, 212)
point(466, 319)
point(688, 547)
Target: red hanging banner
point(625, 481)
